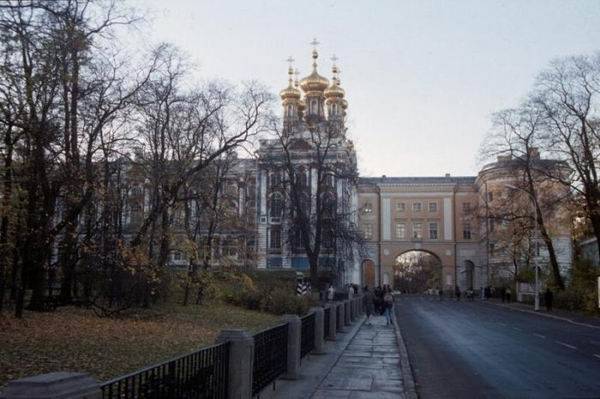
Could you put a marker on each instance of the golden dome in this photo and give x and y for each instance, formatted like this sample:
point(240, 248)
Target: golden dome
point(334, 91)
point(314, 81)
point(290, 92)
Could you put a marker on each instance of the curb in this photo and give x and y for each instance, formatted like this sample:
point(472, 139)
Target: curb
point(410, 391)
point(544, 315)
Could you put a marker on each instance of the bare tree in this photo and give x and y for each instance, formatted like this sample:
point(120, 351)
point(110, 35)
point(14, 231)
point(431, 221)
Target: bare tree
point(515, 138)
point(313, 171)
point(568, 92)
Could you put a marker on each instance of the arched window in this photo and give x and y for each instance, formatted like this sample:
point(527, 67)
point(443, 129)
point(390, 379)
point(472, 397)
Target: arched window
point(290, 110)
point(314, 106)
point(276, 205)
point(329, 205)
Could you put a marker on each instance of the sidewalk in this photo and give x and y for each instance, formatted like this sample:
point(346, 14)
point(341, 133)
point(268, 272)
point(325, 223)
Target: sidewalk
point(363, 363)
point(559, 314)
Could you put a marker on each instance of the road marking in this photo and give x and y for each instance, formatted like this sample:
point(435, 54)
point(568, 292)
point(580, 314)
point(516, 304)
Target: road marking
point(539, 335)
point(516, 328)
point(598, 356)
point(503, 324)
point(567, 345)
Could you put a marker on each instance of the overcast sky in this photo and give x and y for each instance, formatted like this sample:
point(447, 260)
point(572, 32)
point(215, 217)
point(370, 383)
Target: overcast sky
point(421, 77)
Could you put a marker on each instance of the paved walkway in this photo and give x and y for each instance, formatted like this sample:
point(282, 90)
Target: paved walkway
point(364, 362)
point(369, 367)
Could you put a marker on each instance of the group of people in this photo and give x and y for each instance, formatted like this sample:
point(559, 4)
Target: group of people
point(379, 301)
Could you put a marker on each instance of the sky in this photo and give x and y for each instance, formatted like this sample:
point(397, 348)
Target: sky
point(422, 78)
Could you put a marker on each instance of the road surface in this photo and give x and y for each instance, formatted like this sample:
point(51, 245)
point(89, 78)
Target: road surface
point(480, 350)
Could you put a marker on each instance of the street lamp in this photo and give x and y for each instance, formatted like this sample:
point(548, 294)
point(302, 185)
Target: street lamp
point(536, 303)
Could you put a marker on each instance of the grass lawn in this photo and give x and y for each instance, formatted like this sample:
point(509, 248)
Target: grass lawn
point(74, 339)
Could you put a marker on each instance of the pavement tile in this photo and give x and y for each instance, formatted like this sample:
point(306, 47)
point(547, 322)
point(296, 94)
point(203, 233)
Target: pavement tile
point(331, 394)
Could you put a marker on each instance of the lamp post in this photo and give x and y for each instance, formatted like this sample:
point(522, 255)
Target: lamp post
point(536, 299)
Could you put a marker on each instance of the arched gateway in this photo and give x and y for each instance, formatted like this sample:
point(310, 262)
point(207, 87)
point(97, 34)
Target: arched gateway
point(417, 270)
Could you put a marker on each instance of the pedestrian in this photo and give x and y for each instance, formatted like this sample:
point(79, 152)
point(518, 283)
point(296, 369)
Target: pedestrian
point(548, 298)
point(503, 294)
point(457, 293)
point(440, 294)
point(508, 294)
point(350, 291)
point(388, 306)
point(369, 304)
point(330, 293)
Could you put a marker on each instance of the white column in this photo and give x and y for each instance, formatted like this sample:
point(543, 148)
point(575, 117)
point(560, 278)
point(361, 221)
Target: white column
point(386, 219)
point(448, 219)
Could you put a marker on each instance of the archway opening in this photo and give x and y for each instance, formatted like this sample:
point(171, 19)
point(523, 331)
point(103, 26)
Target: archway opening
point(368, 273)
point(469, 274)
point(417, 271)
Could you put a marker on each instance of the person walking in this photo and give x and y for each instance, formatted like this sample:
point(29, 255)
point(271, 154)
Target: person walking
point(508, 295)
point(388, 305)
point(330, 293)
point(548, 298)
point(369, 305)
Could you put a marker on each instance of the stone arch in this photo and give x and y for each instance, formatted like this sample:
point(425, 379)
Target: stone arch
point(417, 270)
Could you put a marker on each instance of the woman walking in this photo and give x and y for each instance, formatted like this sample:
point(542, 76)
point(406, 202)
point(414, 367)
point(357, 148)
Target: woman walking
point(369, 305)
point(388, 304)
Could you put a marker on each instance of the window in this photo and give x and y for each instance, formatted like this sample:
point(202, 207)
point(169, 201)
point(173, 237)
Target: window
point(177, 256)
point(466, 207)
point(492, 248)
point(433, 207)
point(314, 106)
point(417, 231)
point(276, 205)
point(368, 231)
point(466, 231)
point(275, 237)
point(492, 225)
point(400, 231)
point(400, 206)
point(275, 179)
point(417, 206)
point(490, 196)
point(433, 231)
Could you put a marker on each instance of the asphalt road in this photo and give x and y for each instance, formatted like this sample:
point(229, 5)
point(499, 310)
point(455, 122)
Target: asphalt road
point(480, 350)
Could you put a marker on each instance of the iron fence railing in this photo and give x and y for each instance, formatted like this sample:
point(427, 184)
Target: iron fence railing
point(307, 334)
point(199, 375)
point(270, 356)
point(326, 321)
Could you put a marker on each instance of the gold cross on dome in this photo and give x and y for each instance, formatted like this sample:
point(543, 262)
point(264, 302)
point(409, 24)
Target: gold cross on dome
point(290, 60)
point(314, 43)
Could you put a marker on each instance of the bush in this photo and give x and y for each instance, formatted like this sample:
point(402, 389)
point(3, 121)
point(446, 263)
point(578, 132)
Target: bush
point(269, 294)
point(581, 293)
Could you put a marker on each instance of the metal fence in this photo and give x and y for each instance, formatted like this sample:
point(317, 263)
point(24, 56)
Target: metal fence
point(270, 356)
point(307, 334)
point(199, 375)
point(326, 321)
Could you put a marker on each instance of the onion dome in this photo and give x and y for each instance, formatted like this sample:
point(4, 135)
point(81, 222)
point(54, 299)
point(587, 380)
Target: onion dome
point(314, 81)
point(290, 92)
point(334, 91)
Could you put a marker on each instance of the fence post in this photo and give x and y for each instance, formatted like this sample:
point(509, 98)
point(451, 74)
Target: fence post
point(319, 328)
point(54, 386)
point(241, 362)
point(332, 322)
point(347, 320)
point(293, 345)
